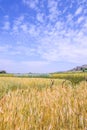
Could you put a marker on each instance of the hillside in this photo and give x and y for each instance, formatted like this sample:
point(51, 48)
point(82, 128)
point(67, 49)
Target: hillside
point(79, 68)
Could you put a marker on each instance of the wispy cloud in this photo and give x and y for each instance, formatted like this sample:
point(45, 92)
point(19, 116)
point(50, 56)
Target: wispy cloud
point(6, 25)
point(53, 10)
point(78, 11)
point(31, 4)
point(57, 33)
point(80, 19)
point(40, 17)
point(52, 42)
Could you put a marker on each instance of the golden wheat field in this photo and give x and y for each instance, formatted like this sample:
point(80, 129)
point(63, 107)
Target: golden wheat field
point(30, 104)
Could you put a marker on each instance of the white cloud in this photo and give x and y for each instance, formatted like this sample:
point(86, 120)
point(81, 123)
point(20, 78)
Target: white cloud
point(85, 24)
point(19, 20)
point(53, 10)
point(22, 67)
point(56, 42)
point(3, 49)
point(24, 27)
point(15, 28)
point(64, 40)
point(25, 50)
point(18, 24)
point(40, 17)
point(60, 43)
point(6, 25)
point(80, 19)
point(69, 18)
point(82, 2)
point(78, 11)
point(64, 50)
point(31, 4)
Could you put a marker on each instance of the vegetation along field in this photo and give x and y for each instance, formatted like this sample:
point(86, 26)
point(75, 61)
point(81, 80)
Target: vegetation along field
point(43, 103)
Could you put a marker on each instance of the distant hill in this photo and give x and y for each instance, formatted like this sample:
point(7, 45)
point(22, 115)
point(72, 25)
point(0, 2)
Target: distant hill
point(80, 68)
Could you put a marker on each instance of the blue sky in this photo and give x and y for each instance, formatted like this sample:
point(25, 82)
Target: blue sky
point(42, 35)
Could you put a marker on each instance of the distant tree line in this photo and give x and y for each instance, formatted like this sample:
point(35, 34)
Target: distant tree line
point(2, 72)
point(84, 69)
